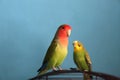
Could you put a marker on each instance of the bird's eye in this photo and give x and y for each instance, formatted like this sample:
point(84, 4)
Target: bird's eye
point(63, 27)
point(79, 45)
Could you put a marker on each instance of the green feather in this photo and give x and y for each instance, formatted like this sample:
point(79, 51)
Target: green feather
point(81, 58)
point(55, 55)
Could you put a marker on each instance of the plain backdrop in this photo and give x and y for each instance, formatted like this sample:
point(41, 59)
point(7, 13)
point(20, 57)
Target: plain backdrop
point(28, 26)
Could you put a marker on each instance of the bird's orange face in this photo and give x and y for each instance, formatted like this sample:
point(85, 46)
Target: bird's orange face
point(64, 30)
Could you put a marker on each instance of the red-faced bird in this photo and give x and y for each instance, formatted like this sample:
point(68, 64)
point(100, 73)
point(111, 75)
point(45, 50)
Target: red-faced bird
point(57, 50)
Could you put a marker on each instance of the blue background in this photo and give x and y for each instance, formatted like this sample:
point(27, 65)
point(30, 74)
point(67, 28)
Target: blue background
point(28, 26)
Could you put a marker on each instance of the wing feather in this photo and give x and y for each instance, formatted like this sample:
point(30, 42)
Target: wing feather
point(49, 54)
point(88, 60)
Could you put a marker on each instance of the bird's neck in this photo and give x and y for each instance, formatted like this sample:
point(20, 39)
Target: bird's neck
point(64, 41)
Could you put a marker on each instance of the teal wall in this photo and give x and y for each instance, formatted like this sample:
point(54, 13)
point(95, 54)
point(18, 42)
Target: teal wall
point(28, 26)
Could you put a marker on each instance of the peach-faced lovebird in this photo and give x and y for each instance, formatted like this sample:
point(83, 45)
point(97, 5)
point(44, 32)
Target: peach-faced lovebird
point(82, 58)
point(57, 50)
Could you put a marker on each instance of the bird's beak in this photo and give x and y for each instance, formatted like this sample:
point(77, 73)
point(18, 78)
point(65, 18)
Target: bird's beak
point(74, 43)
point(68, 33)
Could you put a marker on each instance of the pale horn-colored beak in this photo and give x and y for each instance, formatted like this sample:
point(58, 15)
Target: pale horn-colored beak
point(74, 42)
point(68, 33)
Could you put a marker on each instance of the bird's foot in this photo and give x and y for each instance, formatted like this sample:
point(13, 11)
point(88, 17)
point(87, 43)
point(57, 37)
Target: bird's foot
point(85, 70)
point(60, 68)
point(54, 69)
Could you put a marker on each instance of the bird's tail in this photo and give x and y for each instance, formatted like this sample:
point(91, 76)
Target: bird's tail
point(41, 72)
point(87, 76)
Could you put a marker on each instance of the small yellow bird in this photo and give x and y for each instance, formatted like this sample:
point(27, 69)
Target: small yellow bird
point(82, 58)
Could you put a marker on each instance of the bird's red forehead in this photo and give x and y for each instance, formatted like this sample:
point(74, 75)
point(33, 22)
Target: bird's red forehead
point(66, 26)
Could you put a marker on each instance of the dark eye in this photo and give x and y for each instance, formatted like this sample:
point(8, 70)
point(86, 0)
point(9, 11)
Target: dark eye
point(79, 45)
point(63, 27)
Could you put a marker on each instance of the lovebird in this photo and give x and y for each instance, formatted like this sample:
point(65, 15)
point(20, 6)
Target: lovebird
point(82, 59)
point(57, 50)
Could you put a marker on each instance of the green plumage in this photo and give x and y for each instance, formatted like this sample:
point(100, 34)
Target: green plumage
point(81, 58)
point(80, 61)
point(57, 50)
point(55, 56)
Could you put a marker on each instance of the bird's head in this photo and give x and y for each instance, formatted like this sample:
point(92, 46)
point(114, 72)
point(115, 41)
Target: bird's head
point(64, 31)
point(77, 45)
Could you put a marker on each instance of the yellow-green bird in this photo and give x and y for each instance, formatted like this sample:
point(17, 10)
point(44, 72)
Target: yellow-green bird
point(82, 59)
point(57, 50)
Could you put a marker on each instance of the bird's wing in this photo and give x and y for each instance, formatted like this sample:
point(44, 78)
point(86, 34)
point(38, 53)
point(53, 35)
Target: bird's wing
point(49, 54)
point(88, 60)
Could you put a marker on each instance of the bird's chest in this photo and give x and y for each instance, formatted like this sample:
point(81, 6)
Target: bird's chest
point(79, 56)
point(61, 50)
